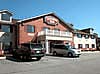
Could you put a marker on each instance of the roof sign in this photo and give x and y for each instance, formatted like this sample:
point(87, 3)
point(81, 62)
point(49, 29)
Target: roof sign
point(50, 20)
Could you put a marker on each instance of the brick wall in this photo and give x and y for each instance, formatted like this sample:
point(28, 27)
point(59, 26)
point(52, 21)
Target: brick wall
point(39, 24)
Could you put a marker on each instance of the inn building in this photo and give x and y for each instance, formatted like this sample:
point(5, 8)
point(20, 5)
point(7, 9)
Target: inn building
point(85, 39)
point(46, 29)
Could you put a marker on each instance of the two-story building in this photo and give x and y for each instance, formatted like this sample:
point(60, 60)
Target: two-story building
point(7, 31)
point(85, 39)
point(45, 29)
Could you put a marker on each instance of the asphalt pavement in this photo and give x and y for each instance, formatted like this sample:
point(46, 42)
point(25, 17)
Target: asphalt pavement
point(87, 63)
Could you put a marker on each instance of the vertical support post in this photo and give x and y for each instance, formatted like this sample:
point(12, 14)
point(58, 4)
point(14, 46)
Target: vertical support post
point(46, 31)
point(1, 45)
point(47, 47)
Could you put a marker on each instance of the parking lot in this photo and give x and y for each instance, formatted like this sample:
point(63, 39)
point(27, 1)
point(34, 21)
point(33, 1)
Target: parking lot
point(87, 63)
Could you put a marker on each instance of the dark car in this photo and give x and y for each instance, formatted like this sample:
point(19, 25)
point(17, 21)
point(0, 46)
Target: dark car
point(29, 50)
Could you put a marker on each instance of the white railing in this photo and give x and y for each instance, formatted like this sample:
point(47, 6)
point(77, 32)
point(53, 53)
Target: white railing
point(5, 37)
point(1, 33)
point(55, 33)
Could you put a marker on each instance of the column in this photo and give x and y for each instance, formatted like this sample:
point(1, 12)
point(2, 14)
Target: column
point(46, 46)
point(1, 45)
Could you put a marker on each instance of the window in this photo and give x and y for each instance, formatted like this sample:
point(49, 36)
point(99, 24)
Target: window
point(86, 45)
point(5, 17)
point(45, 28)
point(60, 47)
point(30, 28)
point(7, 46)
point(79, 35)
point(5, 28)
point(86, 36)
point(56, 29)
point(93, 45)
point(80, 46)
point(92, 37)
point(67, 32)
point(75, 34)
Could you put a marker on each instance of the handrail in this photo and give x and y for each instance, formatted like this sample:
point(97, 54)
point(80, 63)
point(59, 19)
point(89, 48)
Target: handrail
point(55, 33)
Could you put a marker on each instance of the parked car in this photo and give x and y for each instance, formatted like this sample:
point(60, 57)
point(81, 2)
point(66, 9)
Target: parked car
point(29, 50)
point(65, 50)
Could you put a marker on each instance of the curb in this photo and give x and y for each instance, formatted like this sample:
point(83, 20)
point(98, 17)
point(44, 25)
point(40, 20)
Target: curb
point(90, 51)
point(1, 58)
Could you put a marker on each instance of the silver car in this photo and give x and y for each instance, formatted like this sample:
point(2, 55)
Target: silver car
point(65, 50)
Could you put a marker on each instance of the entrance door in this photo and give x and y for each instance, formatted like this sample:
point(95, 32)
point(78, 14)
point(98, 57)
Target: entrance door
point(53, 42)
point(7, 47)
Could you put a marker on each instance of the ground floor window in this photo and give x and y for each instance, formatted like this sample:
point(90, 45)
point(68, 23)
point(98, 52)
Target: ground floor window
point(6, 46)
point(86, 45)
point(80, 45)
point(93, 45)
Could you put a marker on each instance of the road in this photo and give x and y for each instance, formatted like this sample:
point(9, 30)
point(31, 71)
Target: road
point(88, 63)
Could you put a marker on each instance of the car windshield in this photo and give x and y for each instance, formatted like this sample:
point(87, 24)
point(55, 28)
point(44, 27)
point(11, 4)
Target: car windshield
point(36, 45)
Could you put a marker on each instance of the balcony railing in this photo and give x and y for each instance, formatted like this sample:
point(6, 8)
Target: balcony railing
point(55, 33)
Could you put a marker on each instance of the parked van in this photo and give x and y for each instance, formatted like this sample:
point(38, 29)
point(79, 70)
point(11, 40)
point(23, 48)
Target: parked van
point(65, 50)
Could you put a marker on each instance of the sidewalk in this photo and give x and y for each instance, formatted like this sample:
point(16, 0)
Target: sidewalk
point(90, 51)
point(4, 57)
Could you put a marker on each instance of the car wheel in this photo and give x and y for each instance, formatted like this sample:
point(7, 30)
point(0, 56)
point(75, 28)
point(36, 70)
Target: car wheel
point(38, 58)
point(70, 54)
point(54, 53)
point(15, 55)
point(78, 56)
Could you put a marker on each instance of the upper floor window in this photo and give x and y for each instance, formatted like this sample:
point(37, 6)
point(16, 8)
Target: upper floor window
point(56, 29)
point(5, 17)
point(86, 36)
point(67, 31)
point(46, 28)
point(92, 37)
point(5, 28)
point(79, 35)
point(30, 28)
